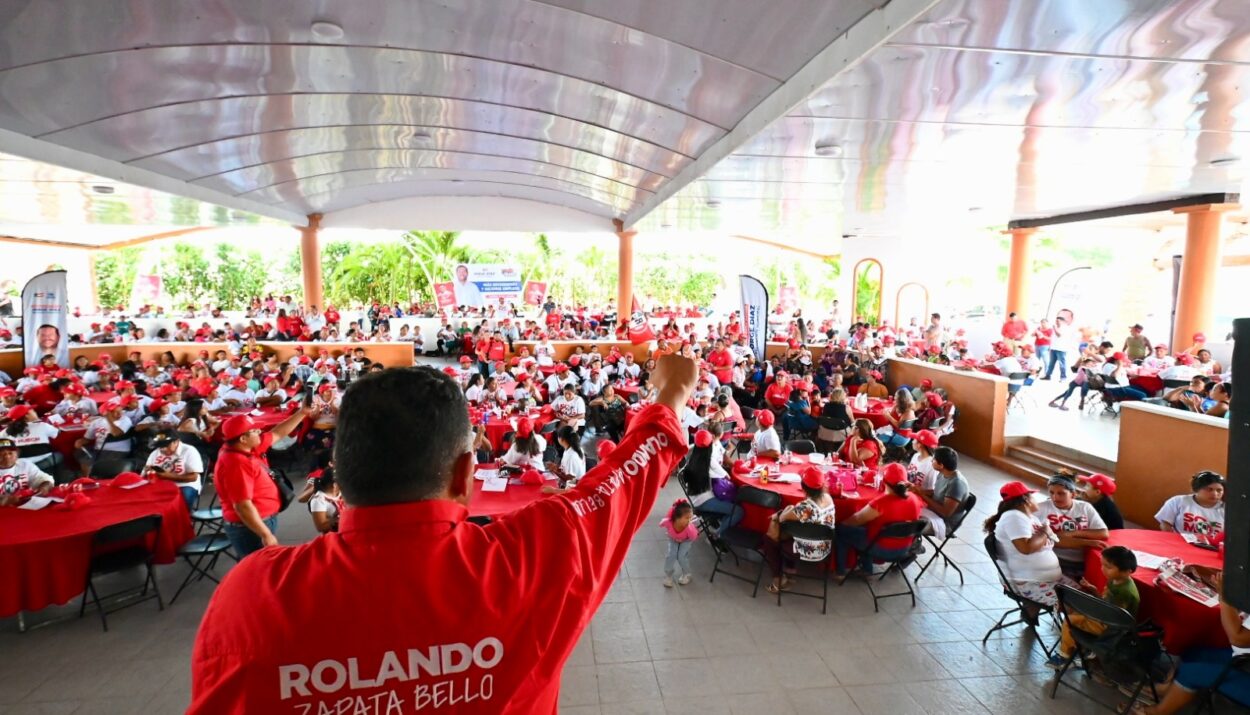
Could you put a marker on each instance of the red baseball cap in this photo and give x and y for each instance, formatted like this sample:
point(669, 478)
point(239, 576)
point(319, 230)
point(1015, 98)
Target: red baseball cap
point(451, 371)
point(235, 426)
point(1013, 490)
point(1101, 482)
point(703, 438)
point(935, 400)
point(17, 412)
point(924, 436)
point(813, 478)
point(465, 359)
point(894, 473)
point(239, 382)
point(926, 384)
point(765, 418)
point(524, 427)
point(1119, 357)
point(325, 386)
point(605, 449)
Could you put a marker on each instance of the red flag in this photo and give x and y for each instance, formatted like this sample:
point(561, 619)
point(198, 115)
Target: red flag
point(639, 327)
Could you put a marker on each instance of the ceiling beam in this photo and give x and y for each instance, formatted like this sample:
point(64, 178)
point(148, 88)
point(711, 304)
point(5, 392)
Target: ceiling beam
point(845, 52)
point(22, 240)
point(39, 150)
point(783, 246)
point(1126, 210)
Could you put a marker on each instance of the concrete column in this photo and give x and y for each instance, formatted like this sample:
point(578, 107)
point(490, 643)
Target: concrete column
point(1195, 298)
point(625, 271)
point(310, 262)
point(1020, 271)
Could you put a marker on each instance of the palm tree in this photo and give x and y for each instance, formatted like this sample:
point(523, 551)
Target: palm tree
point(435, 253)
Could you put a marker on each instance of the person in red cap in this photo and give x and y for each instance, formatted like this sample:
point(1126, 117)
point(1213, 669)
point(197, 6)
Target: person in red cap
point(817, 507)
point(1026, 545)
point(708, 484)
point(765, 442)
point(920, 469)
point(527, 447)
point(17, 475)
point(106, 444)
point(77, 405)
point(325, 415)
point(250, 501)
point(1075, 522)
point(259, 649)
point(1099, 490)
point(948, 492)
point(858, 531)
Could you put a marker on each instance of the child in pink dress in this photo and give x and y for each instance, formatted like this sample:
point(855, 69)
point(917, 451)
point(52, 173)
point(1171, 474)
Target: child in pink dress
point(680, 527)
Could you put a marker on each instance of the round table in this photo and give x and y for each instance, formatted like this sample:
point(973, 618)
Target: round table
point(494, 504)
point(756, 518)
point(44, 554)
point(875, 412)
point(626, 389)
point(1148, 380)
point(1186, 623)
point(497, 427)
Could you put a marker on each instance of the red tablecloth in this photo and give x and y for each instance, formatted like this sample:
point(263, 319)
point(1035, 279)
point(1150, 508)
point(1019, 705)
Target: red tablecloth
point(498, 503)
point(875, 412)
point(44, 554)
point(1186, 623)
point(626, 389)
point(64, 441)
point(757, 518)
point(1150, 384)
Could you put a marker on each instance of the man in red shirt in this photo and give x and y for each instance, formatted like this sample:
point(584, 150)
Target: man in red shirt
point(778, 393)
point(444, 614)
point(249, 498)
point(1014, 331)
point(722, 362)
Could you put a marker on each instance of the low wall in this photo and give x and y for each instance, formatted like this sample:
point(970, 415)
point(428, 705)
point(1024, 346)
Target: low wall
point(389, 354)
point(980, 398)
point(564, 348)
point(1160, 449)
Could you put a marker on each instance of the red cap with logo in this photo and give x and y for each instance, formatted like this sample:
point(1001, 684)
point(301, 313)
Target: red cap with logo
point(813, 478)
point(524, 427)
point(703, 438)
point(1014, 490)
point(235, 426)
point(1101, 482)
point(894, 473)
point(765, 418)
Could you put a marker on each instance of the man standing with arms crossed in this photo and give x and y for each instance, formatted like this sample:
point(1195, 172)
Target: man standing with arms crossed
point(436, 613)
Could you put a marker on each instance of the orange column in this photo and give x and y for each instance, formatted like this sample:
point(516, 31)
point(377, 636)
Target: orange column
point(1195, 298)
point(625, 271)
point(1020, 271)
point(310, 262)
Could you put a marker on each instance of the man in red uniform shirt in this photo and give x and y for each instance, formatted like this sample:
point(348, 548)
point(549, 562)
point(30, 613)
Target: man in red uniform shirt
point(722, 362)
point(435, 613)
point(1014, 330)
point(778, 393)
point(249, 498)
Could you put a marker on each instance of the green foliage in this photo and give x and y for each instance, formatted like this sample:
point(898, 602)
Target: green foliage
point(186, 273)
point(383, 272)
point(238, 277)
point(115, 274)
point(868, 292)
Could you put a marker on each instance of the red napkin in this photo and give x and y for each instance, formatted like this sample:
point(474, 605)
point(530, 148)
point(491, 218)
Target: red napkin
point(76, 500)
point(125, 479)
point(740, 467)
point(531, 476)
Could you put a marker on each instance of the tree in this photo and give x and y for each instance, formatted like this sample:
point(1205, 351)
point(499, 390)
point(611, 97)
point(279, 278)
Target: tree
point(384, 272)
point(186, 272)
point(868, 292)
point(115, 274)
point(238, 278)
point(435, 254)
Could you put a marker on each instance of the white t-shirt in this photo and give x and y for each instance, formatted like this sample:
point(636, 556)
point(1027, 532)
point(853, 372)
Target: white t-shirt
point(36, 433)
point(98, 432)
point(1189, 517)
point(923, 471)
point(320, 502)
point(186, 460)
point(565, 408)
point(1041, 565)
point(22, 475)
point(474, 394)
point(516, 459)
point(1080, 516)
point(766, 440)
point(1007, 365)
point(716, 470)
point(573, 464)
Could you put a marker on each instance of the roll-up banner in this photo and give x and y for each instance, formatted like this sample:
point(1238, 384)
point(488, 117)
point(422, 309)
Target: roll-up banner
point(43, 319)
point(755, 313)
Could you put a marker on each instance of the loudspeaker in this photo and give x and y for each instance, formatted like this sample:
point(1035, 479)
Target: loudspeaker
point(1237, 493)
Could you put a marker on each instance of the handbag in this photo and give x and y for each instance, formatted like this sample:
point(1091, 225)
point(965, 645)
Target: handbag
point(286, 491)
point(724, 490)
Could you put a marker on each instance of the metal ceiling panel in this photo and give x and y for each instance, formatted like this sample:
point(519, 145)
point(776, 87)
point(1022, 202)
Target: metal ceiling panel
point(258, 177)
point(315, 194)
point(170, 138)
point(390, 190)
point(237, 161)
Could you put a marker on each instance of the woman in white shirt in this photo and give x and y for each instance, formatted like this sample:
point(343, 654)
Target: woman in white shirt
point(572, 466)
point(474, 392)
point(33, 438)
point(1026, 546)
point(544, 353)
point(765, 443)
point(527, 447)
point(326, 504)
point(1200, 513)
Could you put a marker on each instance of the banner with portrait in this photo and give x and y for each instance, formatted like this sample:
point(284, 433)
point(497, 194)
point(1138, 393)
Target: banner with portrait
point(445, 295)
point(755, 313)
point(479, 284)
point(535, 291)
point(44, 311)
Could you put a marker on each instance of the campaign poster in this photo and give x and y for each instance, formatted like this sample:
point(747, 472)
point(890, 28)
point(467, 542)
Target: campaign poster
point(146, 291)
point(788, 298)
point(475, 284)
point(535, 291)
point(755, 313)
point(445, 295)
point(44, 313)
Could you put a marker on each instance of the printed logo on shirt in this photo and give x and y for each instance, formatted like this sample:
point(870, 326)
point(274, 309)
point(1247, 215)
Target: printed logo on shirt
point(1199, 524)
point(636, 463)
point(169, 463)
point(429, 670)
point(1063, 522)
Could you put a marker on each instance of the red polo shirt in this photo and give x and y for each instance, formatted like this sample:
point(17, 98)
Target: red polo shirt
point(240, 475)
point(778, 395)
point(722, 365)
point(437, 614)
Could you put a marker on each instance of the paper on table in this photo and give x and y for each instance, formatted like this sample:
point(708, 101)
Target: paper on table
point(485, 474)
point(36, 503)
point(1148, 561)
point(495, 485)
point(816, 458)
point(785, 478)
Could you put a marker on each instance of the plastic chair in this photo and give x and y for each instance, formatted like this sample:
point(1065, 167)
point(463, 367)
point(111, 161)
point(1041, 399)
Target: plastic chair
point(1030, 611)
point(811, 532)
point(122, 547)
point(1206, 702)
point(952, 525)
point(800, 446)
point(737, 540)
point(1123, 647)
point(897, 530)
point(1016, 382)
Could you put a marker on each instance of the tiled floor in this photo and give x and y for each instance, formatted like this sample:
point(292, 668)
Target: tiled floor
point(1090, 432)
point(702, 647)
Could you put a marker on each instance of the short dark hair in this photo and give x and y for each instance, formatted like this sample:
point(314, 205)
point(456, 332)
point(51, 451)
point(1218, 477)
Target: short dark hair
point(1121, 557)
point(946, 458)
point(416, 419)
